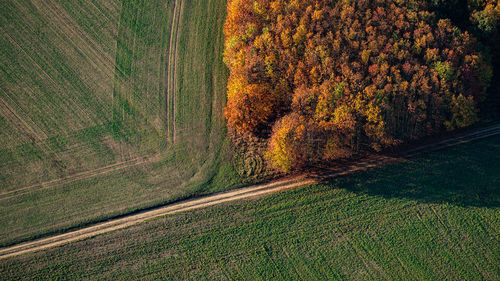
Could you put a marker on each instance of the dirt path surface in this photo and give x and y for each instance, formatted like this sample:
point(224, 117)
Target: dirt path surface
point(247, 192)
point(127, 221)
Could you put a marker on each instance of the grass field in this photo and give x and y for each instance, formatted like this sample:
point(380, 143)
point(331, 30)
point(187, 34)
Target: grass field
point(107, 107)
point(433, 217)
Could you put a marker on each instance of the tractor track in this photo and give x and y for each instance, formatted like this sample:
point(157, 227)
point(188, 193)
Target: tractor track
point(78, 176)
point(172, 68)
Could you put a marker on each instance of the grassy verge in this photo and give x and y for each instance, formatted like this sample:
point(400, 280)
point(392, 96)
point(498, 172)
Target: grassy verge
point(433, 217)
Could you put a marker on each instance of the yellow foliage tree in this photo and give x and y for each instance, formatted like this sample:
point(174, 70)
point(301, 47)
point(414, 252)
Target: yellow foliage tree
point(286, 145)
point(464, 112)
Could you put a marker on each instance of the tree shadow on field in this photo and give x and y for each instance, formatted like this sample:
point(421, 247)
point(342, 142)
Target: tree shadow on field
point(464, 175)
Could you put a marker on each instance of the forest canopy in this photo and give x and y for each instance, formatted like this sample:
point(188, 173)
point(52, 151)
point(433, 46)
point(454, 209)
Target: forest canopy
point(320, 80)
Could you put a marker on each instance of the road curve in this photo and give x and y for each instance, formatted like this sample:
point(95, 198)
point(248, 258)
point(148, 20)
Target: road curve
point(242, 193)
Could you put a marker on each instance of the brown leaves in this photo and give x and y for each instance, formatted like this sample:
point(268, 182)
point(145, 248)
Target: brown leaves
point(330, 78)
point(250, 109)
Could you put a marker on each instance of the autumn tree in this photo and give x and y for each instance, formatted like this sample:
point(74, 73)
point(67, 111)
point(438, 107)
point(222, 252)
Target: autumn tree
point(320, 80)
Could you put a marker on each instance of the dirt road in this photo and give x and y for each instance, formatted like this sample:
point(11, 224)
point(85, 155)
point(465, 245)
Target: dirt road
point(248, 192)
point(141, 217)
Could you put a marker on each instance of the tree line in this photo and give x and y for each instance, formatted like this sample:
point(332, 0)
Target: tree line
point(320, 80)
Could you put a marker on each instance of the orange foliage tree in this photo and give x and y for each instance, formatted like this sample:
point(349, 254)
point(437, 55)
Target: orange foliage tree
point(319, 80)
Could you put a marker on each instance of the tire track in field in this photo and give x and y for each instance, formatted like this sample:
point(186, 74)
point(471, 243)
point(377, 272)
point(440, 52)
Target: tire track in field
point(70, 32)
point(40, 67)
point(34, 63)
point(79, 176)
point(238, 194)
point(39, 139)
point(38, 136)
point(27, 130)
point(70, 24)
point(172, 68)
point(19, 122)
point(72, 29)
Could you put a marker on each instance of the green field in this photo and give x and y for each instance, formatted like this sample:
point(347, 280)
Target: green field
point(433, 217)
point(108, 107)
point(112, 106)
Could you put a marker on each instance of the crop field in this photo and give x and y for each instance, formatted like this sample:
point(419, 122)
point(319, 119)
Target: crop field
point(107, 107)
point(433, 217)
